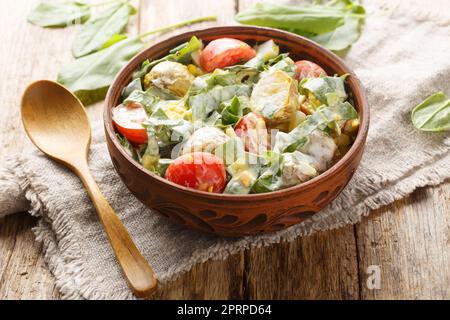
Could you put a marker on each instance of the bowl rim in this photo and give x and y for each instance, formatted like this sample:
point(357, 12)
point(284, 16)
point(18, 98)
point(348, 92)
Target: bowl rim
point(337, 167)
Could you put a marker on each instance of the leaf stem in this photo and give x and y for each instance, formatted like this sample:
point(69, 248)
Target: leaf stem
point(178, 25)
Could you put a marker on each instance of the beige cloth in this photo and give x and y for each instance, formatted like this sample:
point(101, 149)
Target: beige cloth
point(400, 60)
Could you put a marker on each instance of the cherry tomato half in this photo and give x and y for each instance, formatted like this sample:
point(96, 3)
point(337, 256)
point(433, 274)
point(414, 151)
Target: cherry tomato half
point(128, 121)
point(253, 132)
point(225, 52)
point(308, 69)
point(199, 170)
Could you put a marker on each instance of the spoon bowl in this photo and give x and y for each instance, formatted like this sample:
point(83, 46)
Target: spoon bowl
point(56, 122)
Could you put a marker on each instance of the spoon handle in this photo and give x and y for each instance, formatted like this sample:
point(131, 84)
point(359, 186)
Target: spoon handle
point(138, 272)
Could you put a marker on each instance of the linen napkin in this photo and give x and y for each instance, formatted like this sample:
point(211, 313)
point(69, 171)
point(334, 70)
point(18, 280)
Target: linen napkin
point(400, 59)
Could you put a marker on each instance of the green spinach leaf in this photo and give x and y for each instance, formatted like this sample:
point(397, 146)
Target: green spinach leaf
point(244, 172)
point(231, 111)
point(134, 85)
point(328, 90)
point(335, 24)
point(144, 98)
point(433, 114)
point(308, 18)
point(271, 176)
point(344, 36)
point(209, 100)
point(90, 76)
point(57, 15)
point(289, 142)
point(103, 30)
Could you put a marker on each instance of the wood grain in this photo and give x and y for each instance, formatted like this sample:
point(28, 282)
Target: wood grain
point(409, 239)
point(321, 266)
point(410, 242)
point(23, 273)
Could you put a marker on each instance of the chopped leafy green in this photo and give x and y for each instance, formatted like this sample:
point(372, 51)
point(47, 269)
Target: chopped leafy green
point(328, 90)
point(264, 52)
point(244, 171)
point(56, 15)
point(163, 164)
point(127, 146)
point(143, 70)
point(289, 142)
point(282, 62)
point(209, 100)
point(134, 85)
point(271, 177)
point(151, 156)
point(144, 98)
point(168, 131)
point(231, 150)
point(104, 28)
point(180, 54)
point(231, 111)
point(433, 114)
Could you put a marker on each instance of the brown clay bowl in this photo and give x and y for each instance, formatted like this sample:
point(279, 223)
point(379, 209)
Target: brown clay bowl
point(232, 215)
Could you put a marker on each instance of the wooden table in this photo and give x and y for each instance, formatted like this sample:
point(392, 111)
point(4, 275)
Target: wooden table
point(409, 240)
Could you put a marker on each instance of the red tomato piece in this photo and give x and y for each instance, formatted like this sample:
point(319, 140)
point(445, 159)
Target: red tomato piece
point(308, 69)
point(225, 52)
point(199, 170)
point(128, 121)
point(253, 132)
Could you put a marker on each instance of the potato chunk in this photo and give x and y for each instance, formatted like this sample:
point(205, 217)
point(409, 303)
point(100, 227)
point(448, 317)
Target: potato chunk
point(276, 99)
point(170, 76)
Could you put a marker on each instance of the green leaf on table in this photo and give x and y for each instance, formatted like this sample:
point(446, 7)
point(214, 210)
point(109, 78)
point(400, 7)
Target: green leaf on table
point(344, 36)
point(433, 114)
point(54, 15)
point(315, 18)
point(103, 30)
point(89, 77)
point(113, 40)
point(334, 24)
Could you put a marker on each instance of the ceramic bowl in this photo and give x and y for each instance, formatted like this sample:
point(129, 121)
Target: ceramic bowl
point(238, 215)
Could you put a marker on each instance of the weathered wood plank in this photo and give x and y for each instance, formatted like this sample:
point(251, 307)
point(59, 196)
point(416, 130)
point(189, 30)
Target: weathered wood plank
point(25, 275)
point(210, 280)
point(321, 266)
point(410, 242)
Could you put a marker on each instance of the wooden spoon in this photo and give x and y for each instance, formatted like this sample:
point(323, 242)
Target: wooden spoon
point(57, 124)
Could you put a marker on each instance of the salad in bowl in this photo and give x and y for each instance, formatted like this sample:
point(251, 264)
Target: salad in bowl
point(235, 119)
